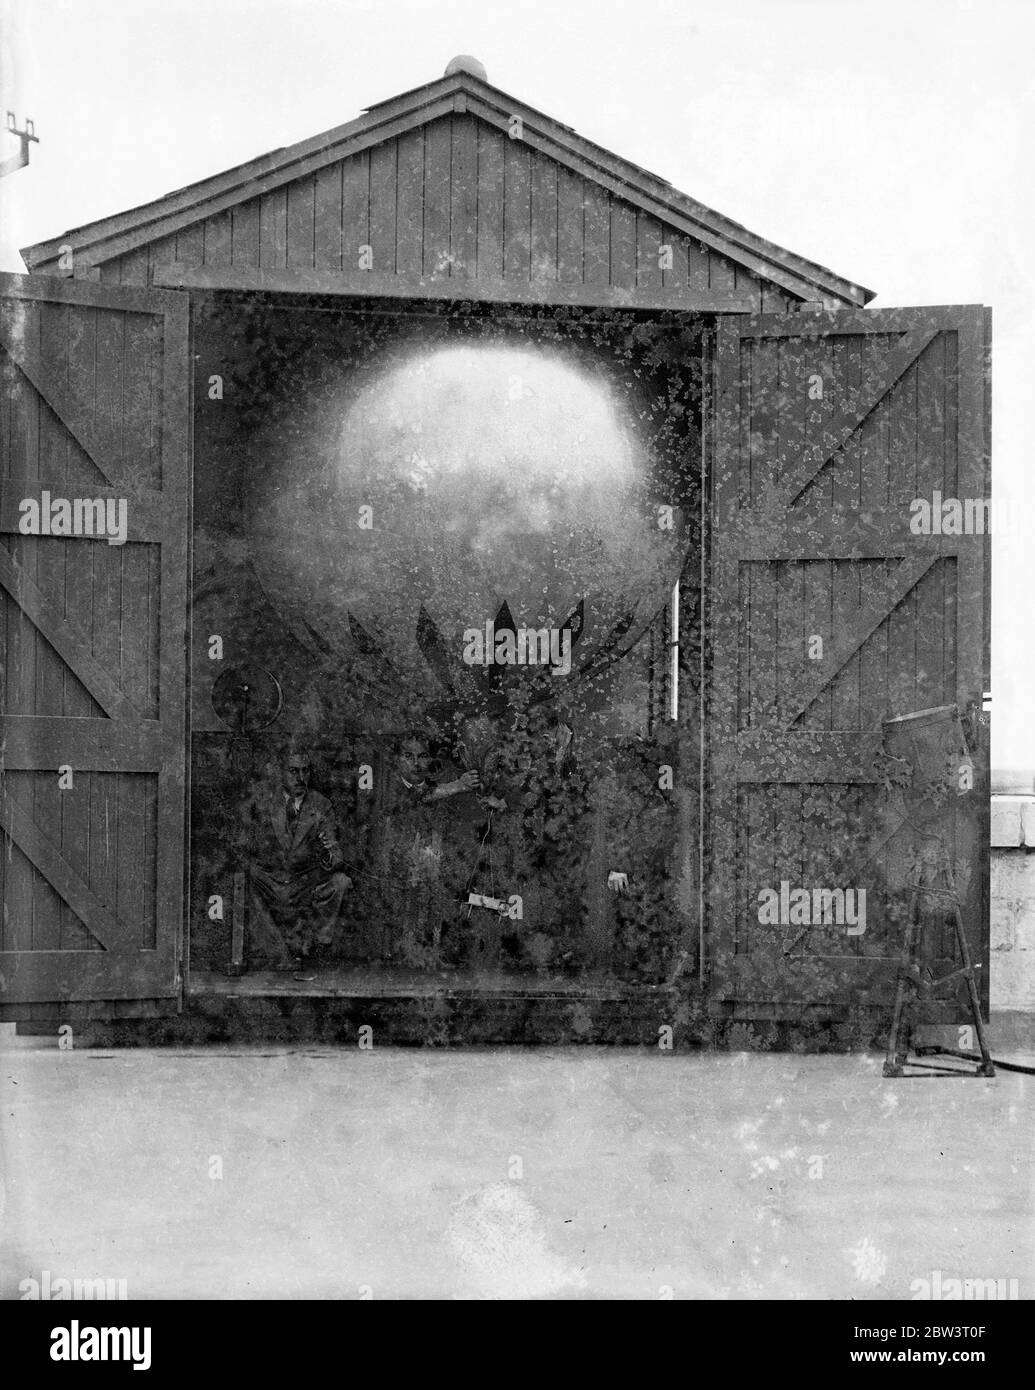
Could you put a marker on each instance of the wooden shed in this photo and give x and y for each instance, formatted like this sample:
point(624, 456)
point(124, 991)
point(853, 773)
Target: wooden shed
point(451, 369)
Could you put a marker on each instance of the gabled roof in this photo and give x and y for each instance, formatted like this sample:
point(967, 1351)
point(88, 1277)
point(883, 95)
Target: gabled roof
point(460, 91)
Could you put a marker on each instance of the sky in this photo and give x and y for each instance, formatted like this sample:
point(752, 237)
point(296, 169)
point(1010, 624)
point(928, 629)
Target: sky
point(892, 142)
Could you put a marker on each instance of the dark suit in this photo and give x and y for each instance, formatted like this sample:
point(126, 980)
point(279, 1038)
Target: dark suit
point(296, 883)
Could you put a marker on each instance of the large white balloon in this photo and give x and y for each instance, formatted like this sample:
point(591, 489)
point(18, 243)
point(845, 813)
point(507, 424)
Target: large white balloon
point(492, 474)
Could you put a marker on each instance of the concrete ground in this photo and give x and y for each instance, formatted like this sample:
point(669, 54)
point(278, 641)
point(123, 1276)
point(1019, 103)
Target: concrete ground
point(505, 1173)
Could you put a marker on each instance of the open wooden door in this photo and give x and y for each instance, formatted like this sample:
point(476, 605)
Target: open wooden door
point(94, 414)
point(848, 587)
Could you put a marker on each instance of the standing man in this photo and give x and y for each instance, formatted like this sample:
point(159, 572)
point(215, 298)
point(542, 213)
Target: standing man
point(295, 869)
point(414, 848)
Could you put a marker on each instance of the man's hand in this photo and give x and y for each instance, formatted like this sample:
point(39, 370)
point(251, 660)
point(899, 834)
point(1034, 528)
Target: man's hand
point(339, 882)
point(617, 883)
point(466, 782)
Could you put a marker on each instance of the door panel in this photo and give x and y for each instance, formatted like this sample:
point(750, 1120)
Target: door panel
point(839, 602)
point(94, 434)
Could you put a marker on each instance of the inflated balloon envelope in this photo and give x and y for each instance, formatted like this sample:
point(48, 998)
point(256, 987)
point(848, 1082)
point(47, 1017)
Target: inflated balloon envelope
point(445, 496)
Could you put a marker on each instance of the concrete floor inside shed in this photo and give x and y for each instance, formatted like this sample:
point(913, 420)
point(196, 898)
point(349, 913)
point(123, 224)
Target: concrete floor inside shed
point(226, 1172)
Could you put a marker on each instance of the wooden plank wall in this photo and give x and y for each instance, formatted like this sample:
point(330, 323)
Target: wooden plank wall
point(906, 447)
point(907, 663)
point(455, 199)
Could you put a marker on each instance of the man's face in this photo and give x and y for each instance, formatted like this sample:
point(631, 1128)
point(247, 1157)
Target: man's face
point(415, 761)
point(296, 774)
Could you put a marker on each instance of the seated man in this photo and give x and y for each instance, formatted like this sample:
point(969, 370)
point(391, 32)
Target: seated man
point(295, 869)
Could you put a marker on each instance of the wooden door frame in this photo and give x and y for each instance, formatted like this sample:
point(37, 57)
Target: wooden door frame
point(287, 288)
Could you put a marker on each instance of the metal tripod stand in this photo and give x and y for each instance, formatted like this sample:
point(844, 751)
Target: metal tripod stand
point(914, 988)
point(928, 780)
